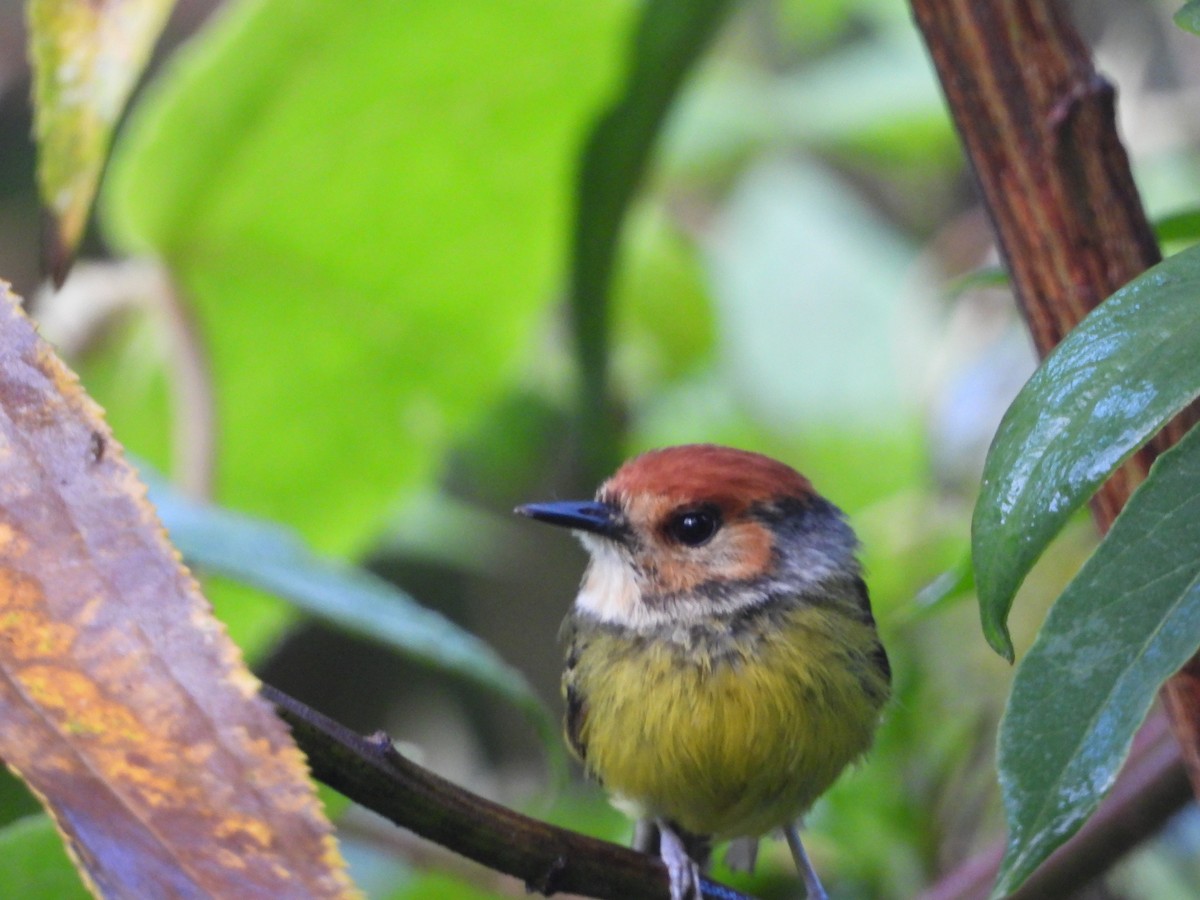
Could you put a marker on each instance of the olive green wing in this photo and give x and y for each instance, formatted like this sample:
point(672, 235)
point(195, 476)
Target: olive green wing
point(879, 657)
point(573, 696)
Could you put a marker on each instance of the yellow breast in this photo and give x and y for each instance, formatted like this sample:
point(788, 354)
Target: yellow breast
point(725, 731)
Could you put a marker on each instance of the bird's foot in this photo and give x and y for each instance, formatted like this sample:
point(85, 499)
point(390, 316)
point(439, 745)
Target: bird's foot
point(683, 871)
point(645, 836)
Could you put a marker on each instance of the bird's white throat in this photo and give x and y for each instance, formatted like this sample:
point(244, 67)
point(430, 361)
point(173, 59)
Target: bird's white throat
point(610, 592)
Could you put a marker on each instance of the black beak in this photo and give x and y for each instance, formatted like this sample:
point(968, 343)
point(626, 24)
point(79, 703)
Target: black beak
point(579, 515)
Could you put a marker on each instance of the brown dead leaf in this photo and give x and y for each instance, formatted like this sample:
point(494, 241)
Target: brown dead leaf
point(123, 703)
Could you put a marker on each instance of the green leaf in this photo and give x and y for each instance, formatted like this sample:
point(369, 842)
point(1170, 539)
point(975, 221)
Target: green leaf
point(16, 802)
point(660, 304)
point(950, 585)
point(273, 559)
point(670, 38)
point(1128, 621)
point(987, 277)
point(1188, 17)
point(86, 58)
point(365, 206)
point(1181, 225)
point(1115, 380)
point(34, 864)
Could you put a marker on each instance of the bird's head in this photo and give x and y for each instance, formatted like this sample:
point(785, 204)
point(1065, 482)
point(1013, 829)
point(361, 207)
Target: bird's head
point(685, 532)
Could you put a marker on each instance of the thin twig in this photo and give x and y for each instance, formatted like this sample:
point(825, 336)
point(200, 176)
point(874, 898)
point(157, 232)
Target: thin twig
point(370, 771)
point(195, 407)
point(78, 314)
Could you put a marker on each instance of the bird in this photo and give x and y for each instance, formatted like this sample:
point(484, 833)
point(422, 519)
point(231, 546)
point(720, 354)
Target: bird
point(722, 663)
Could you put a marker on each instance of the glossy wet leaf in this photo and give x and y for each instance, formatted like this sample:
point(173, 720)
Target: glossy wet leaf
point(275, 560)
point(1127, 622)
point(123, 704)
point(369, 227)
point(86, 57)
point(1115, 380)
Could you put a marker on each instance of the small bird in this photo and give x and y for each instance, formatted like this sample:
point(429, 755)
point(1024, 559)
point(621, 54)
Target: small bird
point(722, 662)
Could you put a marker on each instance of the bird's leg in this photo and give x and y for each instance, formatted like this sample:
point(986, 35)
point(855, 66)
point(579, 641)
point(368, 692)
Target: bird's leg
point(742, 854)
point(804, 866)
point(645, 836)
point(683, 870)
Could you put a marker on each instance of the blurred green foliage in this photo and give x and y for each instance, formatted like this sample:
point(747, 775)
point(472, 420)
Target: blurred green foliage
point(367, 211)
point(342, 165)
point(36, 863)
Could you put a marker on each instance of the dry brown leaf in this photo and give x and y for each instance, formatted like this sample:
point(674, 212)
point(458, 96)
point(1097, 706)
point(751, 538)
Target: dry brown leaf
point(123, 703)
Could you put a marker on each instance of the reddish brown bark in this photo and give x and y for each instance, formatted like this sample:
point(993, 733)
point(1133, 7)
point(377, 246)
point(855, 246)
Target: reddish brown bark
point(1038, 125)
point(1040, 132)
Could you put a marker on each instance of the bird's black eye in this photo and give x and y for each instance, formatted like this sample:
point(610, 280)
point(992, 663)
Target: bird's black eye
point(693, 527)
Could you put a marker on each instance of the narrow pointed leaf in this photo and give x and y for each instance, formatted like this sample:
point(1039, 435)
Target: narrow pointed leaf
point(1115, 380)
point(1128, 621)
point(988, 277)
point(275, 560)
point(86, 58)
point(123, 704)
point(670, 37)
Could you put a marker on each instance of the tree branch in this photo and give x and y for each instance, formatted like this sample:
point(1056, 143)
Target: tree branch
point(371, 772)
point(1039, 127)
point(1038, 124)
point(1151, 789)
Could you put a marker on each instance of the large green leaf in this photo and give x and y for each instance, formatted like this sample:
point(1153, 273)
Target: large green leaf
point(669, 39)
point(1129, 620)
point(1130, 366)
point(366, 204)
point(354, 600)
